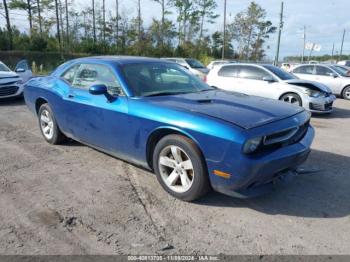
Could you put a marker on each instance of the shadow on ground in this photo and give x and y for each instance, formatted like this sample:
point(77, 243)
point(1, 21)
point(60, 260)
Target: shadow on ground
point(322, 195)
point(337, 113)
point(12, 101)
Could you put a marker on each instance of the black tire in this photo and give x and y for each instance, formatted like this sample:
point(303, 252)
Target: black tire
point(200, 179)
point(346, 93)
point(57, 136)
point(292, 98)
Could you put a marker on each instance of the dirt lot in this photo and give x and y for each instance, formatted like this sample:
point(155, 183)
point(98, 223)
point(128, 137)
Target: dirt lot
point(71, 199)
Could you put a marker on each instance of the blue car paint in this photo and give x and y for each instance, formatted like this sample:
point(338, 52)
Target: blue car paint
point(218, 122)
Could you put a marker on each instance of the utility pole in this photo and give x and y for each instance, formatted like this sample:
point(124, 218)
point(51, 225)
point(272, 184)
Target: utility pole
point(342, 45)
point(279, 36)
point(332, 52)
point(224, 35)
point(304, 43)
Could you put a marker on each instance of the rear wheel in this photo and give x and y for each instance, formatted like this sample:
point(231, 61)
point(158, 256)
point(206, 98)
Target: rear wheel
point(48, 125)
point(346, 93)
point(292, 98)
point(180, 168)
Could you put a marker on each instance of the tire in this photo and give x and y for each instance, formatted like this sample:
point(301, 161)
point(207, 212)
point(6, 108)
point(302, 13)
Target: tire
point(346, 93)
point(292, 98)
point(48, 125)
point(168, 167)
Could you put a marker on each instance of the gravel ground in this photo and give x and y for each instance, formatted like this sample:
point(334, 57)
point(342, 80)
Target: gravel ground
point(72, 199)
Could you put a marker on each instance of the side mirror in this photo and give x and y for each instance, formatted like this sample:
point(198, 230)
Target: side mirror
point(101, 90)
point(333, 75)
point(20, 70)
point(98, 90)
point(269, 79)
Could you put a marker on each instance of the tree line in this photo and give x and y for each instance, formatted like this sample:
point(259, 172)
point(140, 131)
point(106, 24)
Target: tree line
point(58, 26)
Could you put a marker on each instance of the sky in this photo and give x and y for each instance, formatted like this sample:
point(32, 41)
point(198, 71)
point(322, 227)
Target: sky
point(324, 21)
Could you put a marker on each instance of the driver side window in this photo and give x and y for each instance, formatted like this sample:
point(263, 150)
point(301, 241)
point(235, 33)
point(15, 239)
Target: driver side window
point(83, 76)
point(323, 71)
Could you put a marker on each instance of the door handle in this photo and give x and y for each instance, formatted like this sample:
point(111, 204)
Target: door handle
point(70, 96)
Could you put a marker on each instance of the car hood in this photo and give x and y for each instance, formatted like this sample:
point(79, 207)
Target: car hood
point(8, 77)
point(244, 111)
point(310, 85)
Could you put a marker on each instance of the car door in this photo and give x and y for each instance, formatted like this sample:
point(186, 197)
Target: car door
point(23, 70)
point(306, 72)
point(92, 118)
point(328, 77)
point(256, 81)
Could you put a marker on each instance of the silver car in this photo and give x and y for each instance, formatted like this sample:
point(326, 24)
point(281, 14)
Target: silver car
point(11, 83)
point(337, 80)
point(193, 65)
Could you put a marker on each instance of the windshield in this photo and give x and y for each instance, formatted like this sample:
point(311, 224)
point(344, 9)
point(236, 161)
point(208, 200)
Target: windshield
point(280, 73)
point(4, 68)
point(153, 79)
point(194, 63)
point(340, 70)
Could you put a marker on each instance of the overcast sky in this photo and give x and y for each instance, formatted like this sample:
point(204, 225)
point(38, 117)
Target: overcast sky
point(324, 20)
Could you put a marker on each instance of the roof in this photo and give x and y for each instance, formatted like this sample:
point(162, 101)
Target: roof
point(121, 59)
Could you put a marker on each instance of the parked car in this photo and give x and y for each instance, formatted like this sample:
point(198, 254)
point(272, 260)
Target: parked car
point(11, 83)
point(193, 65)
point(272, 82)
point(157, 115)
point(214, 63)
point(344, 69)
point(344, 63)
point(329, 75)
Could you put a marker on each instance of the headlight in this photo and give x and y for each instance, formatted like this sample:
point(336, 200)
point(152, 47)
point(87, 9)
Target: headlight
point(315, 94)
point(19, 82)
point(252, 145)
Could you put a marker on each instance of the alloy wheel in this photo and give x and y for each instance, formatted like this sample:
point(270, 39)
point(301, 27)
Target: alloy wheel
point(46, 124)
point(176, 169)
point(292, 99)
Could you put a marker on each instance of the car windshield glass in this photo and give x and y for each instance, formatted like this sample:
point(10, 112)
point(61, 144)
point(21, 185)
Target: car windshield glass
point(280, 73)
point(194, 63)
point(340, 70)
point(153, 79)
point(4, 68)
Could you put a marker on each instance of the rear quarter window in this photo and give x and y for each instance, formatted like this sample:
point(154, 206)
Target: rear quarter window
point(229, 71)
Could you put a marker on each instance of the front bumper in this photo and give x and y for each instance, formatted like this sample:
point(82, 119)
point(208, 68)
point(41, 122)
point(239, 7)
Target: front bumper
point(257, 176)
point(13, 90)
point(320, 104)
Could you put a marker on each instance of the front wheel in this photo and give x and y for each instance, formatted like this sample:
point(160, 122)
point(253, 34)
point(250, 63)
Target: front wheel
point(180, 168)
point(346, 93)
point(292, 98)
point(48, 125)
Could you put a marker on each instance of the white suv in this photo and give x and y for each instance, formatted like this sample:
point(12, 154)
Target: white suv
point(272, 82)
point(337, 80)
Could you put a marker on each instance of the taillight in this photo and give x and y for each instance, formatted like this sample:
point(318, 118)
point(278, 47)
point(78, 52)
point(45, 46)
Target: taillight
point(205, 78)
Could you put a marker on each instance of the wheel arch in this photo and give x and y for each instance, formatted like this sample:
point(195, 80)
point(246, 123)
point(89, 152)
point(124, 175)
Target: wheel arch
point(161, 132)
point(343, 89)
point(38, 103)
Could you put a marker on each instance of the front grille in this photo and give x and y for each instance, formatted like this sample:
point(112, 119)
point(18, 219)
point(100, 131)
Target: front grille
point(321, 107)
point(8, 90)
point(284, 138)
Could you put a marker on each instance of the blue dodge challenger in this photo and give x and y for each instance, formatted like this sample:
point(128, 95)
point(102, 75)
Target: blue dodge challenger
point(157, 115)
